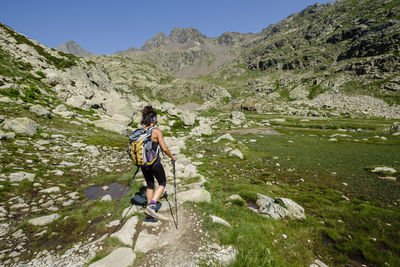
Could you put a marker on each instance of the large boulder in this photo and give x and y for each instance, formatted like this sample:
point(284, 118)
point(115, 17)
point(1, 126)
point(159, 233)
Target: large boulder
point(279, 208)
point(76, 101)
point(188, 118)
point(202, 130)
point(44, 220)
point(23, 125)
point(116, 123)
point(194, 195)
point(40, 111)
point(115, 104)
point(121, 257)
point(237, 115)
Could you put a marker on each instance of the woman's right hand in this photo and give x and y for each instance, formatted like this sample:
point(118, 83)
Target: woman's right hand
point(173, 158)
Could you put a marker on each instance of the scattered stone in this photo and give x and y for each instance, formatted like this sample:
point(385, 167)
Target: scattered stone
point(106, 198)
point(216, 219)
point(23, 125)
point(202, 130)
point(19, 176)
point(50, 190)
point(237, 115)
point(237, 153)
point(384, 169)
point(4, 229)
point(117, 123)
point(40, 111)
point(279, 208)
point(121, 257)
point(188, 118)
point(40, 221)
point(194, 195)
point(93, 150)
point(318, 263)
point(235, 197)
point(113, 223)
point(105, 188)
point(125, 235)
point(225, 136)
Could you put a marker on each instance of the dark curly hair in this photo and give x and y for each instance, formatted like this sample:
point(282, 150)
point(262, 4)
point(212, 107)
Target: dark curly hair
point(148, 114)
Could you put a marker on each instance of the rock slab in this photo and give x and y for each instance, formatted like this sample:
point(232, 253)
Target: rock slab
point(121, 257)
point(40, 221)
point(125, 235)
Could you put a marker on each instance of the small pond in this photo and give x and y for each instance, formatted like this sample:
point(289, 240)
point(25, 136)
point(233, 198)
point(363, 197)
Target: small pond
point(116, 191)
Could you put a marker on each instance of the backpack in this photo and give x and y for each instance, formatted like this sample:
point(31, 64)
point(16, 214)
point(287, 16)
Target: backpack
point(140, 148)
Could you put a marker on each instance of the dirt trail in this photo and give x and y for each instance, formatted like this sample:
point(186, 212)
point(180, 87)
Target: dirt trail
point(179, 247)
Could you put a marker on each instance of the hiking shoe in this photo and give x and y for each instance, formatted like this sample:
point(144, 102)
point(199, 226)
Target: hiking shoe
point(151, 211)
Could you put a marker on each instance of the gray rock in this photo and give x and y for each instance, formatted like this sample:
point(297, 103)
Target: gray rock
point(194, 195)
point(54, 189)
point(125, 235)
point(114, 105)
point(40, 111)
point(121, 257)
point(19, 176)
point(318, 263)
point(224, 137)
point(6, 100)
point(384, 169)
point(202, 130)
point(295, 210)
point(4, 229)
point(76, 101)
point(237, 115)
point(237, 153)
point(23, 125)
point(188, 118)
point(106, 198)
point(145, 242)
point(93, 150)
point(279, 208)
point(219, 220)
point(40, 221)
point(235, 197)
point(117, 123)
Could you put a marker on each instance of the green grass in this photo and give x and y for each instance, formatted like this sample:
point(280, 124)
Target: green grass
point(363, 230)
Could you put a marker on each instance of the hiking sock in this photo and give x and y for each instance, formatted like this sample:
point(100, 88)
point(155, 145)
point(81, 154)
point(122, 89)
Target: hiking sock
point(153, 202)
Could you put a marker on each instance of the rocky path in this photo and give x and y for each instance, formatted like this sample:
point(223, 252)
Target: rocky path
point(161, 242)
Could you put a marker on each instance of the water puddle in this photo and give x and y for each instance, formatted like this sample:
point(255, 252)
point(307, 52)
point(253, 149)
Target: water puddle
point(252, 205)
point(116, 191)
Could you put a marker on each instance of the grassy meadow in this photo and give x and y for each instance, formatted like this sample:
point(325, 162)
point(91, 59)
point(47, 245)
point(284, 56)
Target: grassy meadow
point(353, 216)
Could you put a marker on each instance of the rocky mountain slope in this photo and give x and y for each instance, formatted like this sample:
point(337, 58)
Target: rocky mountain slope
point(71, 47)
point(189, 53)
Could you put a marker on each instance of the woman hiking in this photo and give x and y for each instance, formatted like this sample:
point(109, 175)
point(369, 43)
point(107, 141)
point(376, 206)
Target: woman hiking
point(149, 120)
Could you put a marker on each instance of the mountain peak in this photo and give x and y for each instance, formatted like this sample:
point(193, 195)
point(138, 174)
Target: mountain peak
point(72, 47)
point(180, 35)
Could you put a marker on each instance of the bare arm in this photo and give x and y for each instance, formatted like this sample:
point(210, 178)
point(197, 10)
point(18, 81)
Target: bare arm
point(163, 146)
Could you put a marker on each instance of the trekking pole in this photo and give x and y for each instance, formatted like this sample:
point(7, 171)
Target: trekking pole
point(119, 203)
point(176, 202)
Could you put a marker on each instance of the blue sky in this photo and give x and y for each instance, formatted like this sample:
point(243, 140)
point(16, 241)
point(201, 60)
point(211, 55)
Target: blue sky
point(103, 27)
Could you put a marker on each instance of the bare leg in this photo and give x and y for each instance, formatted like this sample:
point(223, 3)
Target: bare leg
point(158, 193)
point(149, 195)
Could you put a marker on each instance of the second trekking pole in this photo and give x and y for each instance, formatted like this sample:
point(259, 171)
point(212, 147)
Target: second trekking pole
point(176, 202)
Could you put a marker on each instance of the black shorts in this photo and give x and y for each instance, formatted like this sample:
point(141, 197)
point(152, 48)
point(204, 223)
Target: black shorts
point(155, 170)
